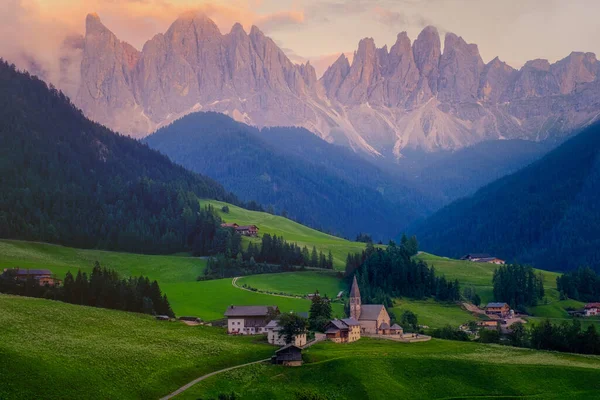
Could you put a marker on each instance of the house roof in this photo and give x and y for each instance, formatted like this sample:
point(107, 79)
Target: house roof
point(272, 324)
point(289, 347)
point(248, 311)
point(332, 330)
point(354, 292)
point(350, 322)
point(384, 325)
point(488, 259)
point(396, 326)
point(592, 305)
point(246, 227)
point(370, 312)
point(496, 305)
point(22, 271)
point(476, 255)
point(227, 225)
point(338, 324)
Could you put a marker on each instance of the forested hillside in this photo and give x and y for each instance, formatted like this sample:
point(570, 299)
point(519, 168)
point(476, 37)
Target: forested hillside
point(546, 214)
point(316, 183)
point(67, 180)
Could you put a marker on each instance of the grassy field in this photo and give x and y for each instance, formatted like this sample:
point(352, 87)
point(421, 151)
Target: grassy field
point(297, 283)
point(433, 314)
point(378, 369)
point(291, 231)
point(52, 350)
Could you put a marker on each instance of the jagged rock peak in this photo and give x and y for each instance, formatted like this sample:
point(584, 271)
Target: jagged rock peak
point(203, 25)
point(93, 24)
point(238, 29)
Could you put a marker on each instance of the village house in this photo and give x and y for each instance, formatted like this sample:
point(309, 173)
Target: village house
point(499, 309)
point(483, 258)
point(373, 318)
point(591, 309)
point(273, 335)
point(249, 320)
point(489, 324)
point(42, 276)
point(244, 230)
point(290, 356)
point(345, 330)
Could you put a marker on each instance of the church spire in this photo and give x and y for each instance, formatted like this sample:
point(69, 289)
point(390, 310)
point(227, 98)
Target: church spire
point(354, 292)
point(355, 300)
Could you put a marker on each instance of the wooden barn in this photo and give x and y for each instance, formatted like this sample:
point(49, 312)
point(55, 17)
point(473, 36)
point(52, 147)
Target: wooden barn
point(290, 356)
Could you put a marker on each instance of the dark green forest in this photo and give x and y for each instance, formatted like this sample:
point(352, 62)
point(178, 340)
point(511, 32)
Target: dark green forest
point(67, 180)
point(518, 285)
point(546, 215)
point(582, 284)
point(318, 184)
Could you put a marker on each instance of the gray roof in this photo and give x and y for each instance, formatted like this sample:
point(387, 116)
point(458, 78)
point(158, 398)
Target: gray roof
point(332, 330)
point(396, 326)
point(272, 324)
point(289, 346)
point(496, 305)
point(339, 324)
point(354, 292)
point(370, 312)
point(248, 311)
point(350, 322)
point(384, 325)
point(476, 255)
point(24, 271)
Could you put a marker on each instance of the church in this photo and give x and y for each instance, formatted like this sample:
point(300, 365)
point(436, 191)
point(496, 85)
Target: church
point(373, 318)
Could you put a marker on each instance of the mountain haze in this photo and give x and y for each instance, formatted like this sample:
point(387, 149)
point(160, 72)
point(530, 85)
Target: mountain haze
point(410, 96)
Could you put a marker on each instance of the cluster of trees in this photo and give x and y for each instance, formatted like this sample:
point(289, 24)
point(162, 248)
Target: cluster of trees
point(582, 284)
point(70, 181)
point(320, 312)
point(518, 285)
point(221, 266)
point(384, 274)
point(103, 288)
point(471, 295)
point(276, 250)
point(364, 238)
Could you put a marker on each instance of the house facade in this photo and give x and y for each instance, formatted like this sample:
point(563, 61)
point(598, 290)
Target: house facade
point(42, 276)
point(591, 309)
point(247, 230)
point(373, 318)
point(248, 320)
point(273, 335)
point(499, 309)
point(290, 356)
point(345, 330)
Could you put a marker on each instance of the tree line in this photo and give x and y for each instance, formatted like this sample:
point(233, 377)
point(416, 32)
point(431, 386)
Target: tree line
point(518, 286)
point(383, 274)
point(103, 288)
point(582, 284)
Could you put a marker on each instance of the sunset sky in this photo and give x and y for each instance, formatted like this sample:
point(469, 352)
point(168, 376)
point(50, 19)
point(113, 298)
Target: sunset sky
point(515, 30)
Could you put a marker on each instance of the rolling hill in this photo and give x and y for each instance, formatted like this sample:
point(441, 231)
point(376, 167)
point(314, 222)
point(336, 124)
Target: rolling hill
point(316, 183)
point(545, 214)
point(68, 180)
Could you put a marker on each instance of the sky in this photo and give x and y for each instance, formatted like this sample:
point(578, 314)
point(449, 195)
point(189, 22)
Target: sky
point(319, 30)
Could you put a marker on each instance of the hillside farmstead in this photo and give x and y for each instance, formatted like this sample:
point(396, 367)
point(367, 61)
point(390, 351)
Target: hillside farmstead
point(248, 320)
point(42, 276)
point(499, 309)
point(244, 230)
point(483, 258)
point(273, 336)
point(591, 309)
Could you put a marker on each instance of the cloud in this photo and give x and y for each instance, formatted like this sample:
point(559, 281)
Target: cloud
point(396, 20)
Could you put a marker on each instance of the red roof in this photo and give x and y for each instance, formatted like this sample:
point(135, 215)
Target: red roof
point(592, 305)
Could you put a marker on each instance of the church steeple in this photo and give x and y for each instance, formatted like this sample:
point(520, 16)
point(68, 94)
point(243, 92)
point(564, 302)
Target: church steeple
point(355, 300)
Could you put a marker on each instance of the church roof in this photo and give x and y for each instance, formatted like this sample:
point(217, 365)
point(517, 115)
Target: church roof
point(396, 326)
point(370, 312)
point(354, 292)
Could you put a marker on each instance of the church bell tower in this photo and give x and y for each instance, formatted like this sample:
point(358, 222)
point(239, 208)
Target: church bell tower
point(354, 300)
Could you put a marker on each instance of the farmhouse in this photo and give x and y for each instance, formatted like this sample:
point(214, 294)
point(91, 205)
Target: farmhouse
point(482, 258)
point(499, 309)
point(244, 230)
point(373, 318)
point(591, 309)
point(43, 276)
point(343, 330)
point(489, 324)
point(273, 336)
point(290, 356)
point(248, 320)
point(234, 226)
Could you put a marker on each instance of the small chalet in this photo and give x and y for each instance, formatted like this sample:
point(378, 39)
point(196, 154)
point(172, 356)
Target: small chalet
point(499, 309)
point(274, 337)
point(482, 258)
point(488, 324)
point(396, 330)
point(290, 356)
point(591, 309)
point(247, 230)
point(345, 330)
point(248, 320)
point(43, 276)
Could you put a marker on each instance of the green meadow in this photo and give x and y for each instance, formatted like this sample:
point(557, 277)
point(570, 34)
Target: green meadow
point(432, 313)
point(297, 283)
point(52, 350)
point(290, 230)
point(379, 369)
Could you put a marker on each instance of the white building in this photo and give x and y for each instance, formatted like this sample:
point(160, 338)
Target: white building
point(273, 336)
point(591, 309)
point(248, 320)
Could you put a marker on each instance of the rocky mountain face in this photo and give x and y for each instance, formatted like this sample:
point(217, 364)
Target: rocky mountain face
point(410, 96)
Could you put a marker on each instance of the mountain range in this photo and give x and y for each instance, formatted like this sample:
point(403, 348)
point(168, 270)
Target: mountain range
point(387, 101)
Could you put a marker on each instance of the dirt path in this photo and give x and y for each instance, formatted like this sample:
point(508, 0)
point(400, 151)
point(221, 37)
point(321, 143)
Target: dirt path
point(203, 377)
point(234, 283)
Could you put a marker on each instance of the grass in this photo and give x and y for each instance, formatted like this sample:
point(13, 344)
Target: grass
point(291, 231)
point(53, 350)
point(378, 369)
point(297, 283)
point(432, 313)
point(210, 299)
